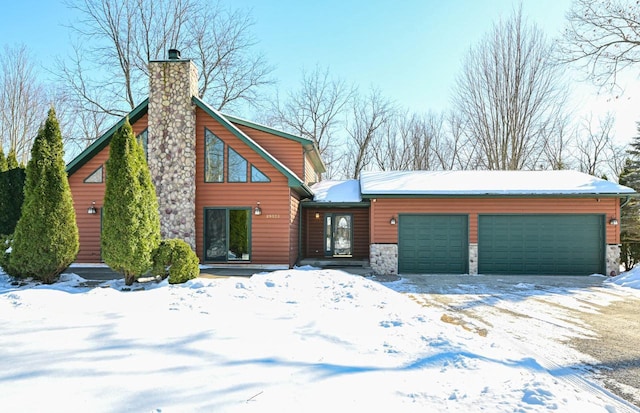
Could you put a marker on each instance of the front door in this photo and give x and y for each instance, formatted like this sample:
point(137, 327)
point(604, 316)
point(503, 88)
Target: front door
point(226, 235)
point(338, 235)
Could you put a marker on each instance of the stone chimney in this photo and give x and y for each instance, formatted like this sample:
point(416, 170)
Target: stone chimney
point(171, 144)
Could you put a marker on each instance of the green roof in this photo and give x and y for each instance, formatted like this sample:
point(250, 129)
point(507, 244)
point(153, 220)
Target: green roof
point(226, 121)
point(309, 145)
point(102, 142)
point(294, 181)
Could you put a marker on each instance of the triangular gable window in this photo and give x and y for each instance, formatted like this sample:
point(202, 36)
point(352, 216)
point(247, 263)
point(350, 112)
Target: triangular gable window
point(237, 167)
point(258, 176)
point(96, 177)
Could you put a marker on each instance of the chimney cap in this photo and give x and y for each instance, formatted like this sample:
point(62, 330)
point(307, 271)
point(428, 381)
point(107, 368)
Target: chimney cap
point(174, 54)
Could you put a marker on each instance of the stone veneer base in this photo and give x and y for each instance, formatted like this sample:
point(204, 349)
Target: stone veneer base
point(613, 259)
point(383, 259)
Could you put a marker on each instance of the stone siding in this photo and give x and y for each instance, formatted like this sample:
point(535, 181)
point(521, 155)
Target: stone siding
point(171, 145)
point(613, 259)
point(383, 259)
point(473, 258)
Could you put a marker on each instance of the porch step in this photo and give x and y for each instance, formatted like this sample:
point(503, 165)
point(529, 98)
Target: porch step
point(333, 263)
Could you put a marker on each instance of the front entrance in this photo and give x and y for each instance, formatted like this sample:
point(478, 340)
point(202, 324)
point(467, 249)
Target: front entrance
point(338, 235)
point(227, 234)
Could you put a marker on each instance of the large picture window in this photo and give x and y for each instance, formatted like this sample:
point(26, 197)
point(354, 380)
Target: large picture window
point(227, 234)
point(214, 157)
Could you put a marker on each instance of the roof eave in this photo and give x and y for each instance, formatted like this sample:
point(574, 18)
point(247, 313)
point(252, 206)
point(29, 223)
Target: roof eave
point(103, 141)
point(490, 195)
point(293, 181)
point(308, 144)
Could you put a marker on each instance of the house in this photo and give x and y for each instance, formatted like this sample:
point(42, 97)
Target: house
point(244, 194)
point(228, 187)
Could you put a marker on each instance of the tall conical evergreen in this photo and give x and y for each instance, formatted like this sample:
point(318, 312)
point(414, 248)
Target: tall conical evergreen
point(11, 198)
point(131, 223)
point(630, 213)
point(45, 240)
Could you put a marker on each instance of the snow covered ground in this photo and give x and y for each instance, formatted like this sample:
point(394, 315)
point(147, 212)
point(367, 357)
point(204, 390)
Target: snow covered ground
point(289, 341)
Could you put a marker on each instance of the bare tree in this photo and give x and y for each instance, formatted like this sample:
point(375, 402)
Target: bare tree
point(409, 141)
point(390, 149)
point(557, 145)
point(23, 101)
point(116, 39)
point(604, 36)
point(509, 93)
point(369, 114)
point(457, 151)
point(592, 151)
point(316, 110)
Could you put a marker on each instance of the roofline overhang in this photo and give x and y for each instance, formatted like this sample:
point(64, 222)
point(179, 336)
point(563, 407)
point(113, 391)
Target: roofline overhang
point(536, 195)
point(103, 141)
point(308, 145)
point(318, 204)
point(294, 181)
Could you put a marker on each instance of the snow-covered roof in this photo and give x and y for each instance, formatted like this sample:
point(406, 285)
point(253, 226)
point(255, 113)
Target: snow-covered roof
point(337, 191)
point(487, 183)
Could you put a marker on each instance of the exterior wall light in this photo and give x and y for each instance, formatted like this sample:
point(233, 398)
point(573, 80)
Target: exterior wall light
point(393, 221)
point(613, 221)
point(92, 209)
point(257, 210)
point(317, 215)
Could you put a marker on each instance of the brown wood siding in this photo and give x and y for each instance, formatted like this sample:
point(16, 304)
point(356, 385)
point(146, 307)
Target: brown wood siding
point(310, 174)
point(294, 232)
point(287, 151)
point(383, 209)
point(270, 232)
point(86, 193)
point(313, 231)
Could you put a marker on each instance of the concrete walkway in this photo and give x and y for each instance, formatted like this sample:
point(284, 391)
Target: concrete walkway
point(101, 272)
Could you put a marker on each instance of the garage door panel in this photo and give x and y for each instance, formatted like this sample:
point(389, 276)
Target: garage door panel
point(553, 244)
point(431, 244)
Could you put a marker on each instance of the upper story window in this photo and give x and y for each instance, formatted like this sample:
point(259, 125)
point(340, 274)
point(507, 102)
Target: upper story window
point(237, 167)
point(95, 177)
point(214, 157)
point(143, 138)
point(258, 176)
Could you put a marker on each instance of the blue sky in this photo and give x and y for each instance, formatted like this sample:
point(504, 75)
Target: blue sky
point(412, 50)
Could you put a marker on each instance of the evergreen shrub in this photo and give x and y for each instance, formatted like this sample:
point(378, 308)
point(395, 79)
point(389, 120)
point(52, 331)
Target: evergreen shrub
point(45, 240)
point(175, 258)
point(131, 222)
point(11, 199)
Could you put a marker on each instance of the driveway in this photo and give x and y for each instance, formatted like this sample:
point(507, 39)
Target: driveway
point(580, 323)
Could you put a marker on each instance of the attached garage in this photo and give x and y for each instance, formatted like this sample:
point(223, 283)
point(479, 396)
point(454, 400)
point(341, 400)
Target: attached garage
point(544, 244)
point(493, 222)
point(433, 244)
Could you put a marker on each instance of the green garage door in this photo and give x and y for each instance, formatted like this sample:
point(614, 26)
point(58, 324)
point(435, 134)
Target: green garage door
point(433, 244)
point(541, 244)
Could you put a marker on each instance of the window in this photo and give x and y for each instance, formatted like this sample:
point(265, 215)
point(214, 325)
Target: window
point(237, 167)
point(95, 177)
point(227, 234)
point(258, 176)
point(143, 138)
point(214, 158)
